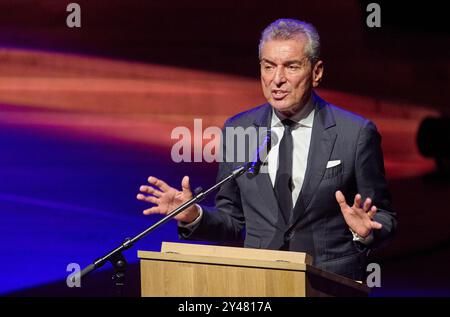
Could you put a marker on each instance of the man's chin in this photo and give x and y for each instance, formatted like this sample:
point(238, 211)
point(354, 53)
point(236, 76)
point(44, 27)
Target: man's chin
point(281, 106)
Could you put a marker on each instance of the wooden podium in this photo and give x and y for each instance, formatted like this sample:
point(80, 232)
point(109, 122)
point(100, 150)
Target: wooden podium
point(189, 270)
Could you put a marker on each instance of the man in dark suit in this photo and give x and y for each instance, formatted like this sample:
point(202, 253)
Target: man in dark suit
point(321, 157)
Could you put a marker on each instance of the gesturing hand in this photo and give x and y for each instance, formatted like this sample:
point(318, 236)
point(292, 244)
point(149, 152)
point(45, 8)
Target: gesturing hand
point(167, 198)
point(358, 217)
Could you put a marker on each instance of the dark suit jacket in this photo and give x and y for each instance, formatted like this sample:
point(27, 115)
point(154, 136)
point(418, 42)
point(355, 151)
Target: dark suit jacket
point(248, 204)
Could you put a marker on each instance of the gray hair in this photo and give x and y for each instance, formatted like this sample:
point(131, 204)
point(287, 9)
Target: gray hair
point(287, 29)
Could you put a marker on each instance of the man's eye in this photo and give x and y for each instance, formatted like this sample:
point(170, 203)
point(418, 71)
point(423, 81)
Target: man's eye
point(293, 67)
point(268, 67)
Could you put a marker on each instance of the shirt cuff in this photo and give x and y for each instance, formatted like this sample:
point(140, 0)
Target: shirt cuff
point(356, 237)
point(193, 223)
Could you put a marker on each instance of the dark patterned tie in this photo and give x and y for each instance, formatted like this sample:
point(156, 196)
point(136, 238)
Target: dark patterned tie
point(283, 181)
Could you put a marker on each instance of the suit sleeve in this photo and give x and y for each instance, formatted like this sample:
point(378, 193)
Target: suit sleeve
point(224, 222)
point(371, 182)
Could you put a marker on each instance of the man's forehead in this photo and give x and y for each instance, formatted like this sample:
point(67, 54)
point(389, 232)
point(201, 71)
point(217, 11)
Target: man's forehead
point(274, 49)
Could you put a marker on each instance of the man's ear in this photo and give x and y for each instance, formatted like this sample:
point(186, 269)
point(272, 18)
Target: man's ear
point(317, 73)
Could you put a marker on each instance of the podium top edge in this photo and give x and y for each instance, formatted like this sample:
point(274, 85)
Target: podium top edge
point(237, 252)
point(215, 260)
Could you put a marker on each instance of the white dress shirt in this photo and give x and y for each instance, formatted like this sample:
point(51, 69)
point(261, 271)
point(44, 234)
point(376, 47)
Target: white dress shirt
point(301, 135)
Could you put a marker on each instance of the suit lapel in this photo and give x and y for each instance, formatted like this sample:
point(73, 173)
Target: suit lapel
point(323, 137)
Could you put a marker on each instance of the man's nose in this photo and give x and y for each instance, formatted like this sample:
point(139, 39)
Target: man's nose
point(280, 76)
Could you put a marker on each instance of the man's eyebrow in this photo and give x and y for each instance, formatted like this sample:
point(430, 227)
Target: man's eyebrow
point(265, 60)
point(290, 62)
point(294, 61)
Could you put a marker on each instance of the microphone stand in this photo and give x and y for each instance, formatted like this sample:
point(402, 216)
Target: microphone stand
point(116, 257)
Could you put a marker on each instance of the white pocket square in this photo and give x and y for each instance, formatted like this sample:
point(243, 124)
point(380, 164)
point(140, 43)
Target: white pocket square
point(333, 163)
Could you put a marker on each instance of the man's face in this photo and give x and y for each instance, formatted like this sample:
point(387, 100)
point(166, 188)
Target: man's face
point(287, 75)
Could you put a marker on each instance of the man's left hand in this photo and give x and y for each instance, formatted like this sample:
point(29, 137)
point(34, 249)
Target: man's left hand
point(359, 216)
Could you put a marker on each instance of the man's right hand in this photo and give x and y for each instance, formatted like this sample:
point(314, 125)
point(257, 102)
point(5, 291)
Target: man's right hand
point(167, 198)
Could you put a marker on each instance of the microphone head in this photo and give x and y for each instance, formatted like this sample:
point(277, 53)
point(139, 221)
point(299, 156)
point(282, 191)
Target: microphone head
point(262, 151)
point(198, 190)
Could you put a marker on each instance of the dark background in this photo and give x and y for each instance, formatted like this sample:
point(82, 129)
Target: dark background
point(222, 36)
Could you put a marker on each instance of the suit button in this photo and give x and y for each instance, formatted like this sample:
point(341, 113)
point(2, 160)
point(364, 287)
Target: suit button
point(288, 236)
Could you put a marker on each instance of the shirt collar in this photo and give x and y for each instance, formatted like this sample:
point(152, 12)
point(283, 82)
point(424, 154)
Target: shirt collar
point(305, 117)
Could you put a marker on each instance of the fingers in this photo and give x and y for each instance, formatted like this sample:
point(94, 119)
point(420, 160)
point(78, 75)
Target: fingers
point(357, 201)
point(341, 199)
point(154, 193)
point(158, 183)
point(149, 199)
point(153, 210)
point(186, 188)
point(372, 212)
point(150, 190)
point(376, 225)
point(367, 204)
point(367, 208)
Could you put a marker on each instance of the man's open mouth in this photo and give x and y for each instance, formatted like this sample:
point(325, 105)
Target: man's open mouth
point(279, 94)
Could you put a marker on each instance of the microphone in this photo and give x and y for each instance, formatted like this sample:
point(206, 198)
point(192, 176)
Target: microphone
point(261, 154)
